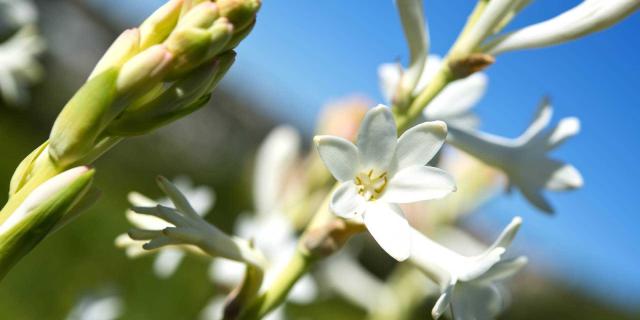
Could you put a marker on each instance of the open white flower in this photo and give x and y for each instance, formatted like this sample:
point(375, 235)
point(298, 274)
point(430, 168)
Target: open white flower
point(588, 17)
point(383, 171)
point(453, 105)
point(524, 159)
point(469, 283)
point(269, 228)
point(19, 67)
point(201, 198)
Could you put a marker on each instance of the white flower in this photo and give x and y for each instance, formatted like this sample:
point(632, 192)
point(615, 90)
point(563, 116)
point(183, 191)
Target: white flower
point(269, 228)
point(413, 23)
point(182, 226)
point(19, 66)
point(202, 199)
point(453, 105)
point(97, 307)
point(524, 159)
point(16, 13)
point(383, 171)
point(587, 17)
point(469, 283)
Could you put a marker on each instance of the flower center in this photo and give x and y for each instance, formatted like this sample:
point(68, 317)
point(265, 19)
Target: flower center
point(371, 184)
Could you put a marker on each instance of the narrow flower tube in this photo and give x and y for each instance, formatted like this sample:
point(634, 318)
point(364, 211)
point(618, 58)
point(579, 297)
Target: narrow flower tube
point(39, 213)
point(468, 282)
point(588, 17)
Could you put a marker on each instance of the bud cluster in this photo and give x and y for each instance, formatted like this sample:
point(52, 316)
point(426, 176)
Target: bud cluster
point(153, 74)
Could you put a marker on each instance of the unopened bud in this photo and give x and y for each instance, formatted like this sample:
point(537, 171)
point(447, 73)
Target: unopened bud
point(240, 12)
point(464, 67)
point(39, 213)
point(160, 24)
point(122, 49)
point(81, 121)
point(145, 69)
point(202, 16)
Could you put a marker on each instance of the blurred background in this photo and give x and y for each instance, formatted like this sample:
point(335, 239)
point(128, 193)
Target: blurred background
point(301, 56)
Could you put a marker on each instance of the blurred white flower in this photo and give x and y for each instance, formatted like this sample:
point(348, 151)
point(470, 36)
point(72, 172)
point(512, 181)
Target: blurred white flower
point(16, 13)
point(19, 67)
point(453, 105)
point(202, 199)
point(383, 171)
point(469, 283)
point(269, 228)
point(97, 307)
point(524, 159)
point(415, 31)
point(588, 17)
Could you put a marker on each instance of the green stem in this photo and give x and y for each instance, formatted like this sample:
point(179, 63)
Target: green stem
point(297, 267)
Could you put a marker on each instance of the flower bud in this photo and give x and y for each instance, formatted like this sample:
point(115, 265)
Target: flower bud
point(240, 12)
point(81, 121)
point(22, 173)
point(202, 16)
point(122, 49)
point(145, 69)
point(160, 24)
point(39, 213)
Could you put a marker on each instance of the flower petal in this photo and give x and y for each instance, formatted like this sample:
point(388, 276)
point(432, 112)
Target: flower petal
point(566, 128)
point(419, 183)
point(535, 197)
point(508, 234)
point(339, 155)
point(346, 202)
point(418, 145)
point(540, 121)
point(389, 76)
point(503, 270)
point(167, 261)
point(377, 138)
point(457, 98)
point(413, 23)
point(389, 228)
point(567, 177)
point(442, 305)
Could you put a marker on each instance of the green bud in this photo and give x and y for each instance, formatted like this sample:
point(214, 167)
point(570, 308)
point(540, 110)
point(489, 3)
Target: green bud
point(239, 36)
point(144, 70)
point(22, 173)
point(240, 12)
point(202, 16)
point(81, 121)
point(192, 47)
point(122, 49)
point(183, 97)
point(39, 213)
point(189, 4)
point(159, 25)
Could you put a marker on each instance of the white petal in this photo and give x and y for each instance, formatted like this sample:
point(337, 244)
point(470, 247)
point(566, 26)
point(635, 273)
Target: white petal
point(457, 98)
point(567, 177)
point(389, 228)
point(339, 155)
point(434, 63)
point(145, 221)
point(304, 291)
point(508, 234)
point(419, 183)
point(583, 19)
point(377, 139)
point(535, 197)
point(201, 198)
point(503, 270)
point(226, 272)
point(167, 261)
point(413, 23)
point(276, 156)
point(474, 301)
point(540, 121)
point(346, 202)
point(491, 149)
point(418, 145)
point(442, 305)
point(565, 129)
point(389, 76)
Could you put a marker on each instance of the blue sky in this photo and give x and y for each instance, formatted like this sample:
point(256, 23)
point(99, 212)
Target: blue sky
point(304, 53)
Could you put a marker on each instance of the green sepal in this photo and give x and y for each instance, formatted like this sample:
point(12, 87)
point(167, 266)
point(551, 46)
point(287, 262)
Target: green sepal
point(24, 169)
point(82, 120)
point(16, 242)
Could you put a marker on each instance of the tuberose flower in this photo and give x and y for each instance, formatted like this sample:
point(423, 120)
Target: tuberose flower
point(469, 283)
point(381, 171)
point(168, 259)
point(588, 17)
point(453, 105)
point(524, 159)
